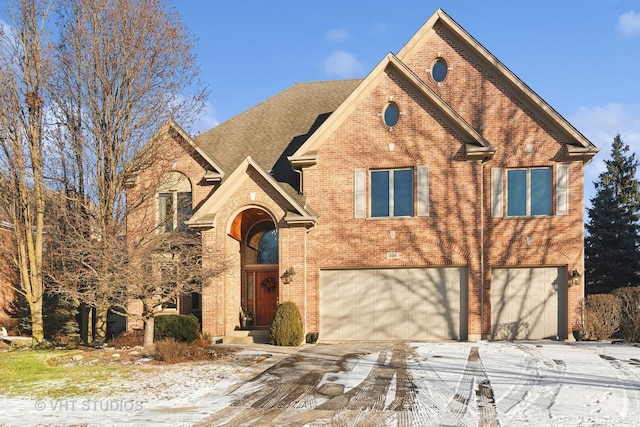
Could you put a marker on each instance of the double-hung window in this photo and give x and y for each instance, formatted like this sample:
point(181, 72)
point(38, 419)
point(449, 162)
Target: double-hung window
point(529, 192)
point(174, 209)
point(174, 203)
point(391, 192)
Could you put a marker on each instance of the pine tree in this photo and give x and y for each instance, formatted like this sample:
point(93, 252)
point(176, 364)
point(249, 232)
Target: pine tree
point(612, 255)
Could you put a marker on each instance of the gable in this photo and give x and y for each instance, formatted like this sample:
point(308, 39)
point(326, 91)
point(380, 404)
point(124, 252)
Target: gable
point(171, 142)
point(480, 99)
point(475, 145)
point(250, 170)
point(472, 70)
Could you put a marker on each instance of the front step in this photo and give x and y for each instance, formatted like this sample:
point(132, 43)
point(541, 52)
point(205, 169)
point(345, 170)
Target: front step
point(247, 337)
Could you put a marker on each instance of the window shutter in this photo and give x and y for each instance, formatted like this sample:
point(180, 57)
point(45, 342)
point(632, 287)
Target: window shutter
point(562, 190)
point(423, 190)
point(360, 193)
point(496, 192)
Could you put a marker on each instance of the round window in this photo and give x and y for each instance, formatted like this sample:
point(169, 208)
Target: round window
point(391, 114)
point(439, 70)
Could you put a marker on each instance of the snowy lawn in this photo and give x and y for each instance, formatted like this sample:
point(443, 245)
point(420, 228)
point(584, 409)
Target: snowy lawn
point(521, 383)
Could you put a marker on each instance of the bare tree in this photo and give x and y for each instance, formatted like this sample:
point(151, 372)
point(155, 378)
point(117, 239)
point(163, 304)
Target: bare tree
point(24, 72)
point(8, 272)
point(162, 270)
point(126, 67)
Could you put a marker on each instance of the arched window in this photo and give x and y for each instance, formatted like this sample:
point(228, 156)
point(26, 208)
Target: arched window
point(268, 248)
point(174, 203)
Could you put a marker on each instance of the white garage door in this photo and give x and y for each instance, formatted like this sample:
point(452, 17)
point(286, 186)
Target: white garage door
point(527, 303)
point(394, 304)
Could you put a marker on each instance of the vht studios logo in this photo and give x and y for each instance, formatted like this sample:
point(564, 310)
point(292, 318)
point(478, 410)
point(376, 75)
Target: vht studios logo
point(107, 405)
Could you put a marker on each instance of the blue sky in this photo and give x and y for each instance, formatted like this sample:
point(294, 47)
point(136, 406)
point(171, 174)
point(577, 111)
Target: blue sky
point(581, 56)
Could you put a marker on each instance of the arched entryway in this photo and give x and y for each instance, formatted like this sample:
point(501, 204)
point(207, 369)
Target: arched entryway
point(259, 249)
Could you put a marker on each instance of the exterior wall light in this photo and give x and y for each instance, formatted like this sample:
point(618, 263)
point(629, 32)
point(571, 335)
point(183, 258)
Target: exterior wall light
point(287, 276)
point(574, 278)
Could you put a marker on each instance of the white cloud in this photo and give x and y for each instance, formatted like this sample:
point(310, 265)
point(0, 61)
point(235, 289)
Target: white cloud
point(629, 23)
point(343, 64)
point(600, 125)
point(338, 35)
point(380, 28)
point(206, 121)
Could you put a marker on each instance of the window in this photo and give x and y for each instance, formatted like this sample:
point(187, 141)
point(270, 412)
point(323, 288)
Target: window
point(174, 209)
point(529, 192)
point(439, 70)
point(392, 192)
point(174, 203)
point(196, 301)
point(391, 114)
point(268, 248)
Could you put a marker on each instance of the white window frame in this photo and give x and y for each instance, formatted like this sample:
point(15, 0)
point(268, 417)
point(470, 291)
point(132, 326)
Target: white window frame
point(362, 192)
point(528, 203)
point(392, 172)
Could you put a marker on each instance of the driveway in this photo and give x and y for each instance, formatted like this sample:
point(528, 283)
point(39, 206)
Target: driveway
point(364, 384)
point(440, 384)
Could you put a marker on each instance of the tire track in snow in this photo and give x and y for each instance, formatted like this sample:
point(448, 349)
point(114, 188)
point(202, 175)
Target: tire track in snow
point(534, 391)
point(627, 373)
point(460, 410)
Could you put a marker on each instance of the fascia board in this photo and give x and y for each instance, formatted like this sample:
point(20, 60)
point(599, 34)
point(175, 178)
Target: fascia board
point(210, 160)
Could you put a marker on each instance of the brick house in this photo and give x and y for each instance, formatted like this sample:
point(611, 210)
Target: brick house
point(437, 198)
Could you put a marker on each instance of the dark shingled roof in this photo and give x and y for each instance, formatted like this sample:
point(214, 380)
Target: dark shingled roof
point(275, 128)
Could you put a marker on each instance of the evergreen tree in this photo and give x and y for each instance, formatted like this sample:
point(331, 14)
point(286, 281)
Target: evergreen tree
point(612, 257)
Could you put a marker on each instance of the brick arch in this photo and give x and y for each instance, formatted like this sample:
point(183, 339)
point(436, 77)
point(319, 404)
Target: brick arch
point(241, 203)
point(539, 252)
point(400, 154)
point(518, 153)
point(174, 171)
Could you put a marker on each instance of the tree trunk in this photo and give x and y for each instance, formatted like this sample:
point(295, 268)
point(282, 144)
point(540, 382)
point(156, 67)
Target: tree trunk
point(148, 332)
point(37, 322)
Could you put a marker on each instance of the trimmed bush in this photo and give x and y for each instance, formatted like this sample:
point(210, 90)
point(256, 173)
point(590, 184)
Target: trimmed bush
point(178, 327)
point(286, 328)
point(630, 313)
point(601, 316)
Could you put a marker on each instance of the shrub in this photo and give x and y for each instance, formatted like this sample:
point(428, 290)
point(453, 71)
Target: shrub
point(129, 339)
point(172, 351)
point(630, 313)
point(601, 316)
point(184, 328)
point(286, 328)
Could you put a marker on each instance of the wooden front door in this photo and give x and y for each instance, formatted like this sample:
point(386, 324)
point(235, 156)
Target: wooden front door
point(266, 296)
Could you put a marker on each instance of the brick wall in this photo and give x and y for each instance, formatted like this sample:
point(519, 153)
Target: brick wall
point(459, 229)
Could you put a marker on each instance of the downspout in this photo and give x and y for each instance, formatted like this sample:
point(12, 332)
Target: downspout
point(482, 226)
point(304, 267)
point(299, 172)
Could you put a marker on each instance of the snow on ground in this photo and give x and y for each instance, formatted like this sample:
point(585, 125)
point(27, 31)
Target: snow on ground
point(531, 383)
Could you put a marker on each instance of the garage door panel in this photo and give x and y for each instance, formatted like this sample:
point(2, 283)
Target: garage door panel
point(526, 303)
point(394, 304)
